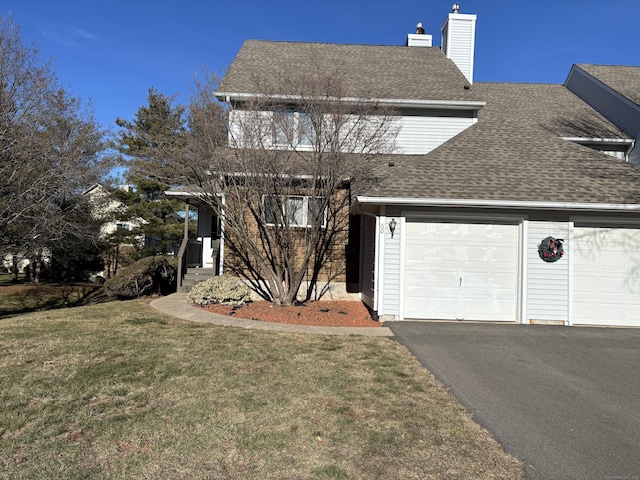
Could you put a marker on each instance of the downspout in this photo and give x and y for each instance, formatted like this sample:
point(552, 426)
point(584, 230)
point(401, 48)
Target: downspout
point(221, 253)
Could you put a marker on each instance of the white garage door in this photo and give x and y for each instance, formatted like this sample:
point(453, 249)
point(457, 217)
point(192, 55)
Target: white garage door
point(463, 271)
point(606, 276)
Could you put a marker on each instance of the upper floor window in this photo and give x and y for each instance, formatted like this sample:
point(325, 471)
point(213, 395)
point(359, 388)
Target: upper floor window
point(299, 210)
point(293, 129)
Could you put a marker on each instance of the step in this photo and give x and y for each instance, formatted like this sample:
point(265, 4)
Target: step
point(201, 271)
point(195, 275)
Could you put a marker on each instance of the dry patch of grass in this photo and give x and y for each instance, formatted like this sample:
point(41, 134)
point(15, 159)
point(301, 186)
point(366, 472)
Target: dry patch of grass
point(119, 390)
point(16, 298)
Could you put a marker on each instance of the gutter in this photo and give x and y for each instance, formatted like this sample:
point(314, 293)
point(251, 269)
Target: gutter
point(604, 141)
point(394, 102)
point(509, 204)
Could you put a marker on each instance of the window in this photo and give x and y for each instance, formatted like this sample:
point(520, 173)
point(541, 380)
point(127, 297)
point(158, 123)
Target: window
point(292, 128)
point(298, 210)
point(306, 130)
point(284, 128)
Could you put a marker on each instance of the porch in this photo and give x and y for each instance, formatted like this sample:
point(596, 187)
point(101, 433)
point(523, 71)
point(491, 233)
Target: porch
point(199, 258)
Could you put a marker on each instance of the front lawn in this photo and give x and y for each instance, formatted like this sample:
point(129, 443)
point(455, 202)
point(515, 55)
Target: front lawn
point(118, 390)
point(22, 296)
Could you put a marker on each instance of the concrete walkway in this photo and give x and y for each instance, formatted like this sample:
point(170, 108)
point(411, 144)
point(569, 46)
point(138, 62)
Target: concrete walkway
point(176, 305)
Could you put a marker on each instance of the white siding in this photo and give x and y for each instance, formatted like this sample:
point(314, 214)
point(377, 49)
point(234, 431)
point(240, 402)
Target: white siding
point(421, 134)
point(367, 271)
point(391, 258)
point(417, 134)
point(547, 283)
point(458, 42)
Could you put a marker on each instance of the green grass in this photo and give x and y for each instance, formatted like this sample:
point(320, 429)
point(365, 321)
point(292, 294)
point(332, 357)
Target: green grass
point(118, 390)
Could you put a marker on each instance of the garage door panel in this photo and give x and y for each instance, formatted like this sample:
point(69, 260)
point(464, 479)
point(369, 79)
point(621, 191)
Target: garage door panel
point(606, 280)
point(445, 307)
point(613, 285)
point(472, 271)
point(585, 284)
point(502, 282)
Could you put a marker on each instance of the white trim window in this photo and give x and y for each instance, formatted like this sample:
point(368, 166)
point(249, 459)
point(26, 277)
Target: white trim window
point(299, 210)
point(293, 129)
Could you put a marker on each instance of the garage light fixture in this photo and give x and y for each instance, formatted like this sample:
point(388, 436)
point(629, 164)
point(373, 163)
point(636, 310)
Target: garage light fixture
point(392, 226)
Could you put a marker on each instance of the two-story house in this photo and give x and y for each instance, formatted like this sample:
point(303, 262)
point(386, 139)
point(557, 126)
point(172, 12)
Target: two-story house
point(500, 202)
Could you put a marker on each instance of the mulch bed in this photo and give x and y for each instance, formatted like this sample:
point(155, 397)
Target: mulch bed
point(329, 313)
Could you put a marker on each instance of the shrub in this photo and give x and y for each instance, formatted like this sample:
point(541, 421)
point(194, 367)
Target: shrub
point(150, 275)
point(225, 289)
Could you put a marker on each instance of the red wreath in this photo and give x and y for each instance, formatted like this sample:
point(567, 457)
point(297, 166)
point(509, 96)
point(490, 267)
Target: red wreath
point(550, 249)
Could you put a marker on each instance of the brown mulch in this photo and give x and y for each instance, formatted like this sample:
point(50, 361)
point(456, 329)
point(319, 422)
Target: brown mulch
point(325, 313)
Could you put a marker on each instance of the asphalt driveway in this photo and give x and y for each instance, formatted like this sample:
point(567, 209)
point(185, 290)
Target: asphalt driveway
point(564, 400)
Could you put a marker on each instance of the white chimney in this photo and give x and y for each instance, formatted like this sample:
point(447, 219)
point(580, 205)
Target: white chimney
point(458, 40)
point(419, 39)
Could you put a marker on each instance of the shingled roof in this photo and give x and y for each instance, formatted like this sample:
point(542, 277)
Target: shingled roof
point(389, 72)
point(516, 151)
point(515, 154)
point(623, 79)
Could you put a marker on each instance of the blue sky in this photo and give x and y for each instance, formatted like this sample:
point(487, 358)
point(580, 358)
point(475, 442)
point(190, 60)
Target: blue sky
point(112, 51)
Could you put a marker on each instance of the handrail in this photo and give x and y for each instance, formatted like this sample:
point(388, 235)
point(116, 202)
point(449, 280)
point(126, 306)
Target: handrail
point(182, 259)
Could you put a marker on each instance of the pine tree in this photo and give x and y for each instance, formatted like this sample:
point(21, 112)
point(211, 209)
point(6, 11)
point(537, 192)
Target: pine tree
point(147, 144)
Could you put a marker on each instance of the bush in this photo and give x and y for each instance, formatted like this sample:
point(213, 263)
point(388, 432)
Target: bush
point(151, 275)
point(225, 289)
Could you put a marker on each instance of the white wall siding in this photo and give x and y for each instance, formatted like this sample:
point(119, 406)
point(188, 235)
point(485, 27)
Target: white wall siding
point(392, 261)
point(417, 133)
point(458, 42)
point(367, 268)
point(547, 284)
point(421, 134)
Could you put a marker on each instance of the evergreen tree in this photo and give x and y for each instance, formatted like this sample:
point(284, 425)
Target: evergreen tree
point(147, 145)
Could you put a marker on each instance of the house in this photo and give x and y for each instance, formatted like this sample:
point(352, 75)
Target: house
point(501, 202)
point(110, 211)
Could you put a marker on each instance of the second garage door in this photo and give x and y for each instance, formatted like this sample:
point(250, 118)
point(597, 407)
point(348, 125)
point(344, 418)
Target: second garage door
point(606, 276)
point(461, 271)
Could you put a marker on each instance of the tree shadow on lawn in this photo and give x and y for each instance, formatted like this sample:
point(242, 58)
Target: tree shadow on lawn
point(21, 297)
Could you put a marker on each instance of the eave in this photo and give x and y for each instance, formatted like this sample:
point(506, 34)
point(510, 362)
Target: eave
point(602, 141)
point(362, 201)
point(231, 97)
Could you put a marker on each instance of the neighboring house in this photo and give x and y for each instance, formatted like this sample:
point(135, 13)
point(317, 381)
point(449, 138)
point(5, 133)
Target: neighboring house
point(503, 202)
point(105, 206)
point(18, 262)
point(109, 209)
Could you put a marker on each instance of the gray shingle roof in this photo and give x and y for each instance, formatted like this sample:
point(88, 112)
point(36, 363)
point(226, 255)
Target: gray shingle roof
point(392, 72)
point(515, 153)
point(623, 79)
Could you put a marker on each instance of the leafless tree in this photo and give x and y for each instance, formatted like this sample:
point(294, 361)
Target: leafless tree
point(49, 153)
point(283, 185)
